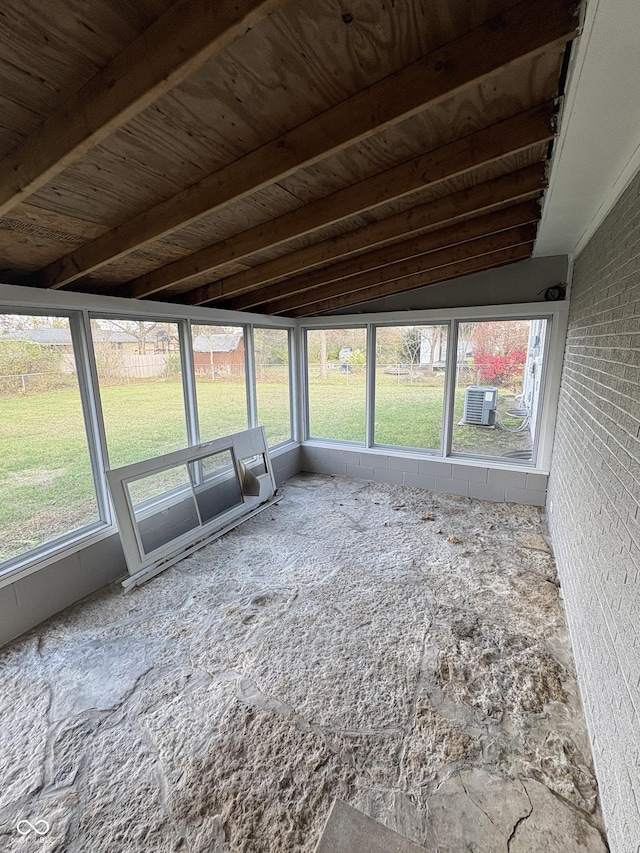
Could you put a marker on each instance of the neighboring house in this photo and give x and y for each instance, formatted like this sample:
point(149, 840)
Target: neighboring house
point(219, 352)
point(52, 336)
point(46, 337)
point(116, 339)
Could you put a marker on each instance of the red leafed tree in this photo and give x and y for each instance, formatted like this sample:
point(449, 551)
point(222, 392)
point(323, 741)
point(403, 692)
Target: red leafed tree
point(500, 351)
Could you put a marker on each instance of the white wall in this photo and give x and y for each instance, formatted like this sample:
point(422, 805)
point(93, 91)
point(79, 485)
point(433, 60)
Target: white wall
point(525, 281)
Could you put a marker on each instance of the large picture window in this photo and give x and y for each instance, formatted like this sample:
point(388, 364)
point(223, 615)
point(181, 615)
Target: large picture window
point(221, 388)
point(140, 374)
point(497, 391)
point(336, 377)
point(271, 351)
point(410, 384)
point(46, 482)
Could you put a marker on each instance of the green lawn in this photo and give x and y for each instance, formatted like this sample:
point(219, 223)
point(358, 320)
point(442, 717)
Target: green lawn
point(45, 478)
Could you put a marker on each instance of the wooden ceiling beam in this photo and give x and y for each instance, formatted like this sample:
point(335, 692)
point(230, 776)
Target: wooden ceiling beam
point(394, 261)
point(492, 144)
point(466, 61)
point(188, 34)
point(461, 206)
point(410, 269)
point(480, 263)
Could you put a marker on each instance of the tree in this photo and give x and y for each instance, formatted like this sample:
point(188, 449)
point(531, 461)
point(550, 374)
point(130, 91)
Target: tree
point(270, 346)
point(145, 332)
point(500, 351)
point(18, 357)
point(410, 345)
point(24, 322)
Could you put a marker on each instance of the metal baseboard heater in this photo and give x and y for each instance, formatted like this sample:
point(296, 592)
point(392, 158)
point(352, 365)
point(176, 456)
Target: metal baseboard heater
point(171, 505)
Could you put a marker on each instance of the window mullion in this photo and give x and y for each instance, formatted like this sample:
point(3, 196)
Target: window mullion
point(370, 398)
point(250, 374)
point(450, 387)
point(82, 341)
point(188, 382)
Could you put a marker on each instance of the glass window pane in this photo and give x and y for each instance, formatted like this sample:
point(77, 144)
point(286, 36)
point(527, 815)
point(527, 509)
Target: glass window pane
point(271, 347)
point(46, 482)
point(410, 379)
point(140, 375)
point(163, 506)
point(221, 388)
point(498, 380)
point(337, 383)
point(217, 485)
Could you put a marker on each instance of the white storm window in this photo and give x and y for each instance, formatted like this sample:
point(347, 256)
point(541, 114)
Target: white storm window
point(168, 506)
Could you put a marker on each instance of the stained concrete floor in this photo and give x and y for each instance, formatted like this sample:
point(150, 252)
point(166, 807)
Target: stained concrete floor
point(402, 651)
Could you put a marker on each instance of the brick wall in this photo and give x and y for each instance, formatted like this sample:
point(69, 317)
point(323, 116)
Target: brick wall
point(593, 504)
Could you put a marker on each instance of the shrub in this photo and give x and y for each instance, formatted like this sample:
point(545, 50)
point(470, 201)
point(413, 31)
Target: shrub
point(503, 369)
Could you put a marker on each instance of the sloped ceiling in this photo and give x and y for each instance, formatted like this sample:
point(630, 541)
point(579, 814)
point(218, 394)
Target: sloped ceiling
point(283, 156)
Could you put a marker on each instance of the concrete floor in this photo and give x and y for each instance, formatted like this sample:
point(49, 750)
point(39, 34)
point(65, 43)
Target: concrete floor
point(402, 651)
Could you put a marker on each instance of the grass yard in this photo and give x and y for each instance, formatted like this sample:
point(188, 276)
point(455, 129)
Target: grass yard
point(45, 478)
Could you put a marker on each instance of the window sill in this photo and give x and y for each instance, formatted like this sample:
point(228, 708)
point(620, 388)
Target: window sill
point(32, 561)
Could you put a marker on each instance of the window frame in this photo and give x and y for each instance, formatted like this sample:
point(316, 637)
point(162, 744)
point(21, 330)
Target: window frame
point(556, 315)
point(66, 543)
point(80, 308)
point(452, 379)
point(191, 394)
point(291, 380)
point(399, 448)
point(306, 427)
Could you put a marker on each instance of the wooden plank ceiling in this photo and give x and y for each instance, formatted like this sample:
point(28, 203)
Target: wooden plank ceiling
point(279, 157)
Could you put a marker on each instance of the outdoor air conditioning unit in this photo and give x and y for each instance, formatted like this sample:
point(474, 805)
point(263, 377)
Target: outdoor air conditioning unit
point(479, 406)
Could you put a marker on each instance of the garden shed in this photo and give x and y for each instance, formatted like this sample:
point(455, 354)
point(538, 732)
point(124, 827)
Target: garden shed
point(224, 351)
point(407, 237)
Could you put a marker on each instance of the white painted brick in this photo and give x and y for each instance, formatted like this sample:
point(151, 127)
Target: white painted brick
point(351, 457)
point(593, 489)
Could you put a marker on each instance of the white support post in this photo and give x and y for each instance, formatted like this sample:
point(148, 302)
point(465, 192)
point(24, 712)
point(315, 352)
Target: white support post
point(451, 371)
point(189, 381)
point(84, 354)
point(250, 377)
point(370, 394)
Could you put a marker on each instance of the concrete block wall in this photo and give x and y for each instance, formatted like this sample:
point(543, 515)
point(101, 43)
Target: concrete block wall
point(435, 475)
point(594, 505)
point(286, 464)
point(34, 598)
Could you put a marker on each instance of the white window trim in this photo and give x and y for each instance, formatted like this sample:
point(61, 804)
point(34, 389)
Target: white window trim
point(31, 300)
point(80, 308)
point(555, 312)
